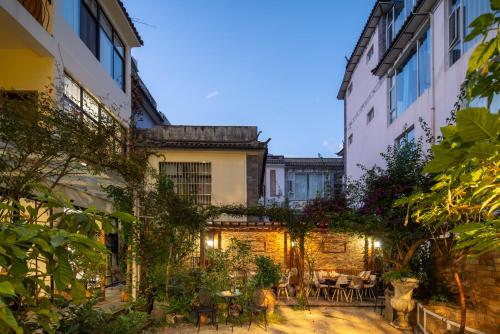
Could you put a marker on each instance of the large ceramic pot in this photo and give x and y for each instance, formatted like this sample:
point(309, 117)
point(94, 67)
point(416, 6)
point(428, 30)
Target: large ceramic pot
point(265, 298)
point(402, 301)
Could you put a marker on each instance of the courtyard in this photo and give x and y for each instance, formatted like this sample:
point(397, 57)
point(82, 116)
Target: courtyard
point(317, 320)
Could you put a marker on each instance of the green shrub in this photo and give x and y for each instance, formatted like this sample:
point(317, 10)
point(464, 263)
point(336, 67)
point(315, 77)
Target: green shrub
point(268, 272)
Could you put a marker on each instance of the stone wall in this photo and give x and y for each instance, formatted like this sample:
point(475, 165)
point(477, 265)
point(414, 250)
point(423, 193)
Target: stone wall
point(326, 251)
point(481, 280)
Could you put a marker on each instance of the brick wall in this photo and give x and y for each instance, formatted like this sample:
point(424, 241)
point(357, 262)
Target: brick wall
point(481, 280)
point(327, 251)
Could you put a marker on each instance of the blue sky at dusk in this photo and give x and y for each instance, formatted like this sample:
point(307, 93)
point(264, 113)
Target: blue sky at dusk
point(270, 63)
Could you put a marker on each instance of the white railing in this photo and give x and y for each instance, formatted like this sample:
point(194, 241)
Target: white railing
point(423, 314)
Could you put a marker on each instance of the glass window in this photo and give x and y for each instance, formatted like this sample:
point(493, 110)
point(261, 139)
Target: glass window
point(399, 16)
point(461, 13)
point(90, 106)
point(71, 13)
point(106, 25)
point(407, 137)
point(72, 90)
point(118, 45)
point(106, 52)
point(370, 115)
point(118, 69)
point(406, 84)
point(300, 187)
point(92, 6)
point(471, 10)
point(88, 29)
point(316, 186)
point(424, 62)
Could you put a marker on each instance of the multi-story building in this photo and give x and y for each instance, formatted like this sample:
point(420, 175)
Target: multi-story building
point(145, 113)
point(408, 64)
point(79, 50)
point(298, 180)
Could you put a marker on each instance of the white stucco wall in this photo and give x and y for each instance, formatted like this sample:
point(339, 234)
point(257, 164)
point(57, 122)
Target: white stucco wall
point(280, 184)
point(433, 106)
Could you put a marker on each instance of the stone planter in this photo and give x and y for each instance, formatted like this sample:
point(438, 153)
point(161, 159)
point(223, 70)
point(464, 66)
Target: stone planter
point(402, 302)
point(264, 297)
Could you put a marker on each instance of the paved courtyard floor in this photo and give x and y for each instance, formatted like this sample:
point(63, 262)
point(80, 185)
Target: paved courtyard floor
point(320, 320)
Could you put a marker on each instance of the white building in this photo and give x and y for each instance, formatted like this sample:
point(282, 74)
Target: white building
point(299, 180)
point(409, 63)
point(79, 49)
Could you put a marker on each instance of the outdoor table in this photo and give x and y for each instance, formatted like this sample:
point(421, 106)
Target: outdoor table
point(230, 297)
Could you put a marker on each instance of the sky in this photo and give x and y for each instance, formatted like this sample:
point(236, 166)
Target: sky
point(274, 64)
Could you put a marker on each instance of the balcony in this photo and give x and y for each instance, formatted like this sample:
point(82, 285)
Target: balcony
point(41, 10)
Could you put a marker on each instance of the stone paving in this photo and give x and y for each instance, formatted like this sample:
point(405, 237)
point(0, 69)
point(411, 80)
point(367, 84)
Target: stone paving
point(319, 320)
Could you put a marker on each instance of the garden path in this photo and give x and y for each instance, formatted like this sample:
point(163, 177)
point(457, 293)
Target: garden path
point(320, 320)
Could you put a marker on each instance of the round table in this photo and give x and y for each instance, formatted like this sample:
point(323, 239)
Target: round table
point(230, 296)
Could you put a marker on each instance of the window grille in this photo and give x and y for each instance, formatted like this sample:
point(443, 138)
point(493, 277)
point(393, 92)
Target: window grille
point(192, 180)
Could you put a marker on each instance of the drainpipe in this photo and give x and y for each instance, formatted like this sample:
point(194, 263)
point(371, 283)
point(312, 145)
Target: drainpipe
point(433, 77)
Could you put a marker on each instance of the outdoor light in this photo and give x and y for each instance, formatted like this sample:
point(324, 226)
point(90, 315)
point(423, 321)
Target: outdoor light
point(377, 244)
point(293, 243)
point(210, 243)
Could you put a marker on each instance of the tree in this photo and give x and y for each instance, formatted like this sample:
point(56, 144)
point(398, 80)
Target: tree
point(461, 209)
point(45, 242)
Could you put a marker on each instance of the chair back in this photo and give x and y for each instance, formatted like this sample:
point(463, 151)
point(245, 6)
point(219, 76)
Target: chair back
point(341, 280)
point(356, 282)
point(373, 278)
point(204, 298)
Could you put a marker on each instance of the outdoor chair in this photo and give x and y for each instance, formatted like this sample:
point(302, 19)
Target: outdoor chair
point(368, 289)
point(283, 285)
point(255, 308)
point(339, 288)
point(320, 287)
point(206, 306)
point(356, 287)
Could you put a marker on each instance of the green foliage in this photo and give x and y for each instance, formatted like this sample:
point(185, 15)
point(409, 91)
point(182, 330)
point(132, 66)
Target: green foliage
point(32, 253)
point(394, 275)
point(483, 71)
point(268, 272)
point(86, 319)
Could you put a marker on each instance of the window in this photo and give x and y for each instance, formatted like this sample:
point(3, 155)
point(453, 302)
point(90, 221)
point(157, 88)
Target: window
point(272, 182)
point(395, 18)
point(71, 13)
point(308, 186)
point(349, 140)
point(370, 115)
point(89, 21)
point(369, 54)
point(408, 136)
point(191, 180)
point(461, 13)
point(79, 101)
point(411, 79)
point(349, 89)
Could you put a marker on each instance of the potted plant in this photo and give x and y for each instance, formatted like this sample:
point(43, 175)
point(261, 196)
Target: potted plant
point(404, 282)
point(268, 275)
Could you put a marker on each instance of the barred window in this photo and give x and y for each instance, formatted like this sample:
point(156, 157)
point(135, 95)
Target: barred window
point(191, 179)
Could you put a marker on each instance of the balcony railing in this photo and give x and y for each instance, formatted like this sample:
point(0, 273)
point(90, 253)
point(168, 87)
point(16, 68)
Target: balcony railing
point(41, 10)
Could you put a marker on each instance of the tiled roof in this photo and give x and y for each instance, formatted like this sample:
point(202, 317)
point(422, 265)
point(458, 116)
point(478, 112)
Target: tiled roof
point(314, 162)
point(201, 137)
point(130, 22)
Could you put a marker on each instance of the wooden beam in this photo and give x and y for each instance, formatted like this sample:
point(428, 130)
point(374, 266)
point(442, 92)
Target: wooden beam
point(202, 249)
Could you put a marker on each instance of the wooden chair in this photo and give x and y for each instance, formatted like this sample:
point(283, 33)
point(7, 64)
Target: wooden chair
point(320, 287)
point(283, 285)
point(339, 288)
point(368, 289)
point(256, 307)
point(356, 286)
point(207, 306)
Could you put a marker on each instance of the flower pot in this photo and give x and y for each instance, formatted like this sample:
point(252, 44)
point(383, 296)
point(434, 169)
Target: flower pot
point(203, 319)
point(264, 297)
point(124, 297)
point(402, 301)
